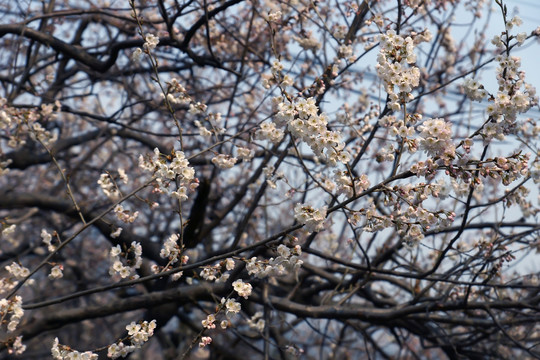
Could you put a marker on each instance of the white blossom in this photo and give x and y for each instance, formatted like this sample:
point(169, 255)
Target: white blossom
point(311, 217)
point(56, 272)
point(232, 306)
point(17, 347)
point(243, 289)
point(223, 161)
point(11, 310)
point(151, 41)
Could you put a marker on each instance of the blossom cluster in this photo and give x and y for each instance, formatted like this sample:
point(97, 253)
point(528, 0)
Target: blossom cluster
point(412, 236)
point(197, 108)
point(219, 271)
point(176, 93)
point(409, 217)
point(306, 123)
point(276, 77)
point(243, 289)
point(349, 185)
point(346, 52)
point(436, 139)
point(108, 186)
point(132, 257)
point(514, 95)
point(16, 347)
point(205, 340)
point(18, 271)
point(6, 284)
point(16, 122)
point(520, 197)
point(231, 306)
point(46, 238)
point(274, 16)
point(62, 352)
point(125, 215)
point(203, 131)
point(208, 323)
point(138, 334)
point(394, 66)
point(150, 43)
point(42, 135)
point(223, 161)
point(8, 231)
point(311, 217)
point(269, 131)
point(504, 169)
point(507, 169)
point(171, 249)
point(404, 128)
point(425, 168)
point(11, 309)
point(288, 261)
point(288, 258)
point(474, 90)
point(178, 169)
point(245, 153)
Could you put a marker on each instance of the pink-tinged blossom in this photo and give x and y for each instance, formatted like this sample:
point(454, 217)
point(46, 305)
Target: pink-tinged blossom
point(17, 347)
point(209, 322)
point(205, 340)
point(56, 272)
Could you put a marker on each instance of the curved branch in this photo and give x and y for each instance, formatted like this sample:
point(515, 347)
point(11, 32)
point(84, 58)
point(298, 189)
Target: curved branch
point(181, 295)
point(17, 200)
point(74, 52)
